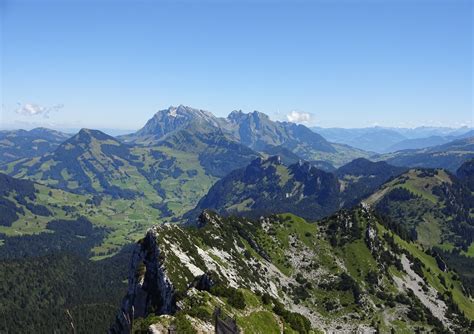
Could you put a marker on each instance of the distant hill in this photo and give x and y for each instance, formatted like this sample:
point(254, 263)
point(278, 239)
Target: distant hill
point(417, 143)
point(361, 177)
point(18, 144)
point(375, 139)
point(430, 131)
point(171, 175)
point(383, 140)
point(449, 156)
point(88, 162)
point(426, 142)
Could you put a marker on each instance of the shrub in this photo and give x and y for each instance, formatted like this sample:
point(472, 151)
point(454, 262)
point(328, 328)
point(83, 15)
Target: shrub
point(234, 297)
point(297, 321)
point(266, 299)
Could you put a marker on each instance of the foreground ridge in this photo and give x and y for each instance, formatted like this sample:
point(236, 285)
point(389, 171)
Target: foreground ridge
point(346, 273)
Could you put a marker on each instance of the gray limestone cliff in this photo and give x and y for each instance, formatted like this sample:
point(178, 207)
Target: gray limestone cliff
point(149, 288)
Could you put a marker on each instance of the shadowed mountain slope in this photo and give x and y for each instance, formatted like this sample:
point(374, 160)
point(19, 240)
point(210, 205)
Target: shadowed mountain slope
point(268, 186)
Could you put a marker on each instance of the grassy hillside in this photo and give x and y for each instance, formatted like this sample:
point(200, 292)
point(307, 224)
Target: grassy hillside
point(432, 204)
point(122, 221)
point(434, 208)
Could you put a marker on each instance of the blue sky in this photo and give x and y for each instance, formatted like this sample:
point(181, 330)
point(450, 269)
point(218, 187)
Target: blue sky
point(112, 64)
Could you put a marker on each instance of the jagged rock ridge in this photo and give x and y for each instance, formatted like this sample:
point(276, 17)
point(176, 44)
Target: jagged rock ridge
point(336, 276)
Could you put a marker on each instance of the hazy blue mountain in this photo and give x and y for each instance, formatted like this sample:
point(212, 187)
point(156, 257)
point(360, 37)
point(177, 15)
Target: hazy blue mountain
point(18, 144)
point(467, 134)
point(375, 139)
point(417, 143)
point(382, 139)
point(429, 131)
point(449, 156)
point(436, 140)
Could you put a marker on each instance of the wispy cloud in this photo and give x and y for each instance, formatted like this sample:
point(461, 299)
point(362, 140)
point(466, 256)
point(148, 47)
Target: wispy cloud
point(299, 117)
point(32, 109)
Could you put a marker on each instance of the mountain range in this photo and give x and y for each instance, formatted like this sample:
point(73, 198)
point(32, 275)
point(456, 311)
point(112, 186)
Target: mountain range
point(449, 156)
point(385, 139)
point(250, 225)
point(17, 144)
point(254, 130)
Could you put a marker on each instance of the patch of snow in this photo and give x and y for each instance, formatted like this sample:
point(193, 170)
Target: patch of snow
point(172, 112)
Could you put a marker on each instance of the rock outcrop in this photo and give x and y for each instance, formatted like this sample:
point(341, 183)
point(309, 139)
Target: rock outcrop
point(149, 287)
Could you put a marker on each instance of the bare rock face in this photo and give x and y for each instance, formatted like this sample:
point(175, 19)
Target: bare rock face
point(163, 327)
point(158, 329)
point(149, 288)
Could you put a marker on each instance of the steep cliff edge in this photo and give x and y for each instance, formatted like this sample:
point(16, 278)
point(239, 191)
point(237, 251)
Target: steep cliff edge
point(149, 288)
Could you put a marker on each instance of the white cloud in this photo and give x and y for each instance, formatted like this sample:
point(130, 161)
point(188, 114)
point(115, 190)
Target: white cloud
point(32, 109)
point(299, 117)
